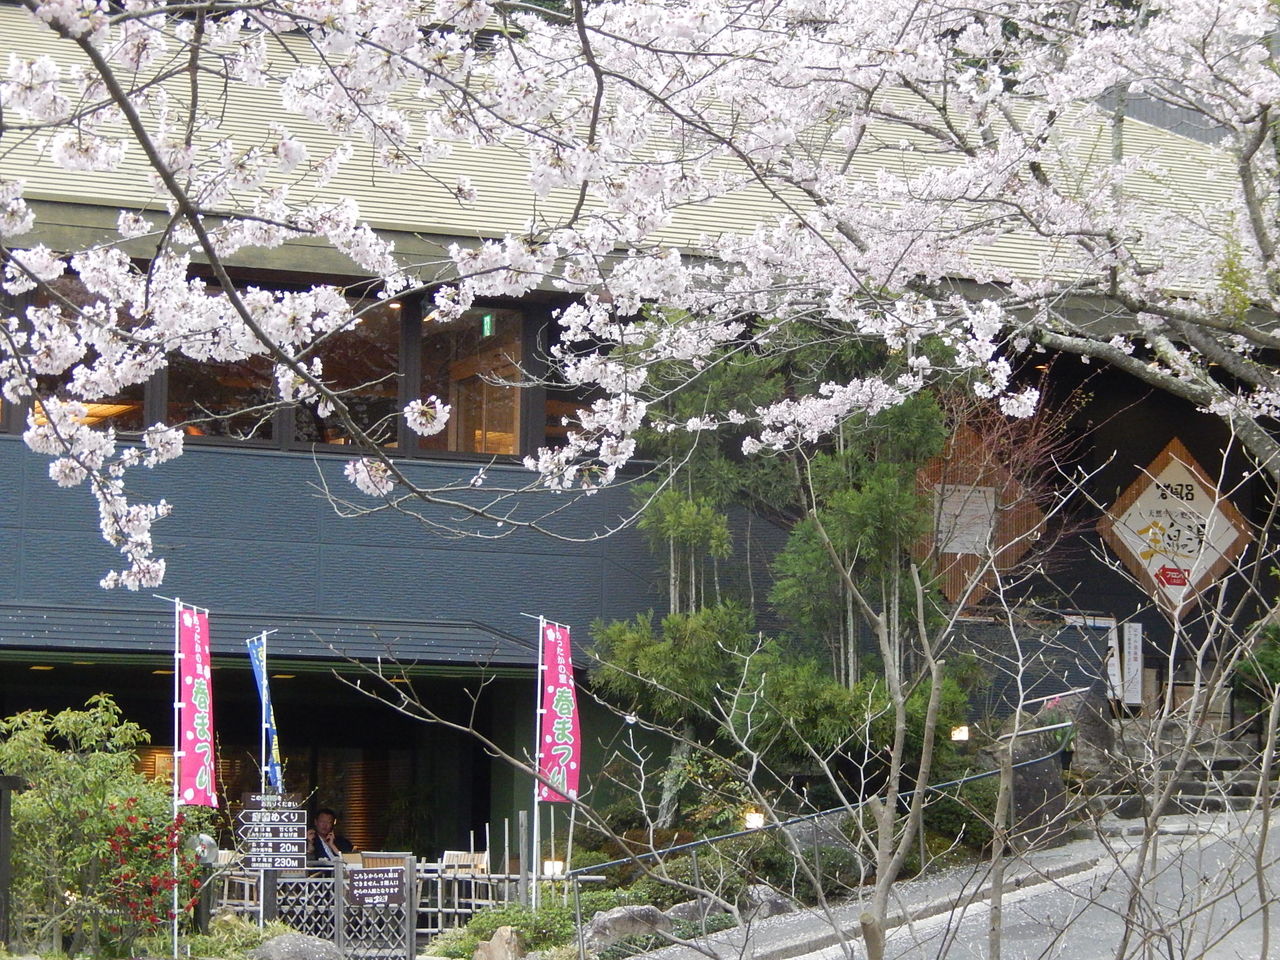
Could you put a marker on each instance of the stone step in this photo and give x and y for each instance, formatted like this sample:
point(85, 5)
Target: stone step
point(1204, 764)
point(1125, 806)
point(1243, 786)
point(1207, 804)
point(1164, 750)
point(1132, 806)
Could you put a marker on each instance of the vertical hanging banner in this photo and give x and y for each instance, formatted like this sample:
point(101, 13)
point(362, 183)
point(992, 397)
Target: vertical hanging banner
point(1132, 688)
point(194, 754)
point(559, 736)
point(271, 758)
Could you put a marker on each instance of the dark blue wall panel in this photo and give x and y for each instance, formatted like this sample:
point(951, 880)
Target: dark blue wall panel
point(251, 532)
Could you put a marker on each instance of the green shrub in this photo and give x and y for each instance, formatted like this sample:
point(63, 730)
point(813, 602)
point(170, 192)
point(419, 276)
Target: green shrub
point(964, 814)
point(682, 929)
point(551, 925)
point(93, 839)
point(229, 936)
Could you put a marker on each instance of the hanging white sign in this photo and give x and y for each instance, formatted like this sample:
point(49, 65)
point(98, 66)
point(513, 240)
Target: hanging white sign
point(1132, 673)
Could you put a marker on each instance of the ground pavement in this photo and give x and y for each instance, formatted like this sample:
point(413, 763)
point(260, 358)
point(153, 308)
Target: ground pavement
point(1065, 902)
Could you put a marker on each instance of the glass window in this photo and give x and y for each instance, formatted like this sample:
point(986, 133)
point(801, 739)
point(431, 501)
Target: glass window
point(233, 400)
point(124, 411)
point(470, 364)
point(562, 404)
point(364, 362)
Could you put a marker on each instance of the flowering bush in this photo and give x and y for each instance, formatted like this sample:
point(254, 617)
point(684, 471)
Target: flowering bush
point(139, 873)
point(94, 840)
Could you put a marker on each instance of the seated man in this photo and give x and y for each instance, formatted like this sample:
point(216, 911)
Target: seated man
point(323, 840)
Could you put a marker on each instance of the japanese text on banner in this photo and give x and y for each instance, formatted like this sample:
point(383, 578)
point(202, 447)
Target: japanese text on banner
point(559, 736)
point(196, 766)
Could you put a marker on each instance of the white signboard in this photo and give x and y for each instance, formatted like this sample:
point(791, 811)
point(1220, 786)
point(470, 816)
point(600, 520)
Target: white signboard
point(1174, 530)
point(1132, 688)
point(1115, 671)
point(966, 518)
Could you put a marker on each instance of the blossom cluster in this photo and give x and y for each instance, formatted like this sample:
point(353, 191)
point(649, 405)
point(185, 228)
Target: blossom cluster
point(922, 176)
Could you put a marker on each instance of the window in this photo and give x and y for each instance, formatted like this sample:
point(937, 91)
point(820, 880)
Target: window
point(363, 361)
point(470, 364)
point(124, 411)
point(235, 400)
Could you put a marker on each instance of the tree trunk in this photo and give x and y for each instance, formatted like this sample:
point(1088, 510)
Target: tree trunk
point(673, 779)
point(1000, 849)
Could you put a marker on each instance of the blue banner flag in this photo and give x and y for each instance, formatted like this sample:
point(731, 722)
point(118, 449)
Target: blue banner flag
point(271, 746)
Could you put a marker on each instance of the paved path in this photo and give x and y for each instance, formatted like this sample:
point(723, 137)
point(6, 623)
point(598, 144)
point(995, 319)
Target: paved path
point(1064, 902)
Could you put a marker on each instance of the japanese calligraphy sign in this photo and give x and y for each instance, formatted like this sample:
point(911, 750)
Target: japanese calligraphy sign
point(1174, 531)
point(194, 752)
point(376, 886)
point(559, 737)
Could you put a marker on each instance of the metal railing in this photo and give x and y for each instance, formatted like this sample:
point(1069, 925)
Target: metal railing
point(845, 810)
point(445, 896)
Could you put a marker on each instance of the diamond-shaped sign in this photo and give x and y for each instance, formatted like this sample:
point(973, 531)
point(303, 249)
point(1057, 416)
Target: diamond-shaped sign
point(1174, 531)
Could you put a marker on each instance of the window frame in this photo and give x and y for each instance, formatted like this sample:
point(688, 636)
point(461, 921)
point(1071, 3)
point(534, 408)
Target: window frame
point(530, 409)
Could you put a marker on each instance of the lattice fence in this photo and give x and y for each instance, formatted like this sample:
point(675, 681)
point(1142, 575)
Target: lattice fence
point(318, 905)
point(308, 904)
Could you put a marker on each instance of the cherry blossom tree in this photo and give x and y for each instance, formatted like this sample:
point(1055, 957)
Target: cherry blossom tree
point(958, 185)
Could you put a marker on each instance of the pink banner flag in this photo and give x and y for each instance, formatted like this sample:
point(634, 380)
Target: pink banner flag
point(195, 764)
point(559, 737)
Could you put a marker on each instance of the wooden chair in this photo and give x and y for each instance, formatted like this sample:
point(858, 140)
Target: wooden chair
point(379, 858)
point(237, 890)
point(469, 886)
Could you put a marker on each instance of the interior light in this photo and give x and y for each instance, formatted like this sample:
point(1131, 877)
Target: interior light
point(163, 673)
point(960, 733)
point(82, 663)
point(41, 666)
point(283, 676)
point(553, 868)
point(400, 680)
point(754, 820)
point(94, 412)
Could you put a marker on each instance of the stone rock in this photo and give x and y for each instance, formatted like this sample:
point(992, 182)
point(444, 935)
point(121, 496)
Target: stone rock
point(609, 926)
point(1039, 801)
point(695, 910)
point(760, 901)
point(296, 946)
point(1094, 757)
point(505, 944)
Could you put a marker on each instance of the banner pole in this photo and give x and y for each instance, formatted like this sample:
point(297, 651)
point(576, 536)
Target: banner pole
point(177, 753)
point(537, 761)
point(262, 727)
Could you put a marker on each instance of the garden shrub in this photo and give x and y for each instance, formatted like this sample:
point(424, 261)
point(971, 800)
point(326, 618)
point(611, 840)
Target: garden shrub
point(93, 839)
point(964, 813)
point(682, 929)
point(551, 925)
point(230, 935)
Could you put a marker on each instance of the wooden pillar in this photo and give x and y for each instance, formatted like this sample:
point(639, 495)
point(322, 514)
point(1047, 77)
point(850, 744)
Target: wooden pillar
point(7, 786)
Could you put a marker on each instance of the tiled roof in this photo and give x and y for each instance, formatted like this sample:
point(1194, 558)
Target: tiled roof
point(425, 643)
